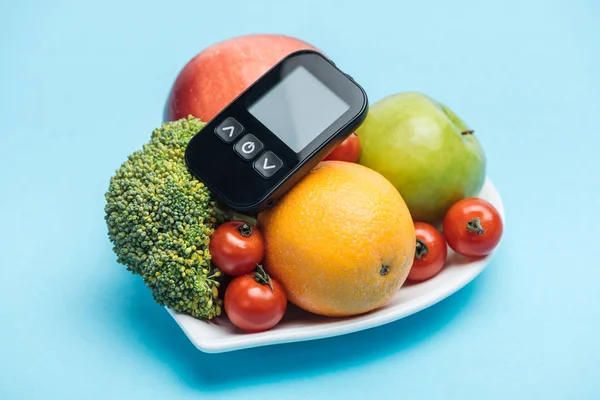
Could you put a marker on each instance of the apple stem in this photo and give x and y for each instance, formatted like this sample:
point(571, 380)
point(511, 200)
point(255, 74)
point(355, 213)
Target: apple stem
point(475, 226)
point(422, 250)
point(468, 132)
point(245, 230)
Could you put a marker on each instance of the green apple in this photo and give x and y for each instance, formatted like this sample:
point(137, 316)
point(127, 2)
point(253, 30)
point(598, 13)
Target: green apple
point(425, 150)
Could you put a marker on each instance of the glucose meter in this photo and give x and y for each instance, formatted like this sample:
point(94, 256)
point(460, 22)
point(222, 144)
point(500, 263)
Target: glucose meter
point(261, 144)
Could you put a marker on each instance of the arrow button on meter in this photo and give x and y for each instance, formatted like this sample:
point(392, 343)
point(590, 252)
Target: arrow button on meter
point(268, 164)
point(229, 130)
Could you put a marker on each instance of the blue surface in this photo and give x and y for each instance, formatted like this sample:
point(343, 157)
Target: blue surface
point(82, 84)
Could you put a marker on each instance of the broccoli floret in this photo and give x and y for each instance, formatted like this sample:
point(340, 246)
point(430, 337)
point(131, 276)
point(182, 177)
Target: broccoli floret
point(160, 219)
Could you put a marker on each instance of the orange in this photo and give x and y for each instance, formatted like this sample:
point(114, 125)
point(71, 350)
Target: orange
point(341, 242)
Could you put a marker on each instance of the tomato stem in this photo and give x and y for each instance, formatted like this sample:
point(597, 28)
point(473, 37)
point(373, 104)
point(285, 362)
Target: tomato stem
point(421, 250)
point(262, 277)
point(468, 132)
point(245, 229)
point(475, 226)
point(384, 270)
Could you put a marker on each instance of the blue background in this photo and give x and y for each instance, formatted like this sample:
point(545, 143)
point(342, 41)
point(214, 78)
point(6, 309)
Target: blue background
point(82, 84)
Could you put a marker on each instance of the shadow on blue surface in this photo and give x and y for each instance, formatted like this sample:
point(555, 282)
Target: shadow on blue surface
point(158, 334)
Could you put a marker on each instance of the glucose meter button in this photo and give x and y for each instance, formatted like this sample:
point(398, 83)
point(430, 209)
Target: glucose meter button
point(268, 164)
point(229, 130)
point(248, 147)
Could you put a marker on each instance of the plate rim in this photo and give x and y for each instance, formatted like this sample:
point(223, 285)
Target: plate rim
point(338, 326)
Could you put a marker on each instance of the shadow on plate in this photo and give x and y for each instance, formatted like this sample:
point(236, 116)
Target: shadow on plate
point(159, 335)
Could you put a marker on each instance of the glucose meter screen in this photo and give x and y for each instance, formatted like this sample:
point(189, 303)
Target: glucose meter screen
point(298, 108)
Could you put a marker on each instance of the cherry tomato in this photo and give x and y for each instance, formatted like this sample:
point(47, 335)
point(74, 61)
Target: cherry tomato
point(430, 253)
point(236, 247)
point(255, 303)
point(473, 227)
point(348, 150)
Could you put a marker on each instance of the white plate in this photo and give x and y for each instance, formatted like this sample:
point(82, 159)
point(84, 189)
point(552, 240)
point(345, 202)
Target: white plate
point(220, 335)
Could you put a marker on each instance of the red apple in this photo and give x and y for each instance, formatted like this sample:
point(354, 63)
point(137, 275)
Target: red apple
point(219, 73)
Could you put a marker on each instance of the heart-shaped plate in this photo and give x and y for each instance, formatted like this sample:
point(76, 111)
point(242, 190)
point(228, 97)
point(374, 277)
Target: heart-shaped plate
point(220, 335)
